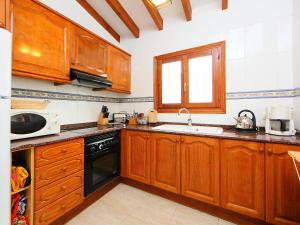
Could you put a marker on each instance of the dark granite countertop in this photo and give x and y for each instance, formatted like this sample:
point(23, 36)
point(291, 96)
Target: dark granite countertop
point(91, 131)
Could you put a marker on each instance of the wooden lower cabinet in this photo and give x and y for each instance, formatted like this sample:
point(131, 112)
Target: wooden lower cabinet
point(282, 186)
point(243, 177)
point(59, 180)
point(200, 176)
point(58, 208)
point(138, 156)
point(165, 161)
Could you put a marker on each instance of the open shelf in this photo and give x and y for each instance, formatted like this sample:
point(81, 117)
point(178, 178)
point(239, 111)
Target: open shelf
point(20, 190)
point(25, 158)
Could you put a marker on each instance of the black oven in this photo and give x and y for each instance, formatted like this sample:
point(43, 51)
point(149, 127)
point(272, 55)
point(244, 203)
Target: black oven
point(102, 160)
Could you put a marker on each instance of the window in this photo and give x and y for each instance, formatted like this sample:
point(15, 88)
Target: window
point(192, 78)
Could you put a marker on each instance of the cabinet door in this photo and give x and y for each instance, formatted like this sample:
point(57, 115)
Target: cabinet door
point(119, 70)
point(283, 186)
point(165, 161)
point(138, 156)
point(2, 13)
point(200, 176)
point(41, 42)
point(88, 52)
point(242, 177)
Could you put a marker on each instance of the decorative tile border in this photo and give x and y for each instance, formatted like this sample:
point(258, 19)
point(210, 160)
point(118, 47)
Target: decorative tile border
point(26, 93)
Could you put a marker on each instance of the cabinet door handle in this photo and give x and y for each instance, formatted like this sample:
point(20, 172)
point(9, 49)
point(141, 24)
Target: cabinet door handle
point(43, 218)
point(64, 169)
point(64, 150)
point(63, 188)
point(269, 150)
point(63, 206)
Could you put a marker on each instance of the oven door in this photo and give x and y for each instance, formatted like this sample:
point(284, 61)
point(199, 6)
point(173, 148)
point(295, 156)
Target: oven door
point(100, 169)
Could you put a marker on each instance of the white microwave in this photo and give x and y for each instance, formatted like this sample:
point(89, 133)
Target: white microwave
point(27, 123)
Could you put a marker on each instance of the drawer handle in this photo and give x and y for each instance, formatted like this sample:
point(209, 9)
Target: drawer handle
point(64, 150)
point(64, 169)
point(63, 188)
point(43, 218)
point(63, 206)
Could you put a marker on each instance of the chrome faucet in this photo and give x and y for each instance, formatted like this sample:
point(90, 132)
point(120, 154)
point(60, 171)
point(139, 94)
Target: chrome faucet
point(190, 117)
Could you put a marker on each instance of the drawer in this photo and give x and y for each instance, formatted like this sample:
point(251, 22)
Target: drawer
point(48, 154)
point(50, 193)
point(57, 209)
point(55, 171)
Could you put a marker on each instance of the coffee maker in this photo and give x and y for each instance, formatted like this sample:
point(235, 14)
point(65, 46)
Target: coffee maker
point(279, 121)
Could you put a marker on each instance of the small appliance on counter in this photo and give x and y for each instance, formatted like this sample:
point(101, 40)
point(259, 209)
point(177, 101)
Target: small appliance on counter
point(27, 123)
point(152, 116)
point(246, 123)
point(279, 121)
point(120, 117)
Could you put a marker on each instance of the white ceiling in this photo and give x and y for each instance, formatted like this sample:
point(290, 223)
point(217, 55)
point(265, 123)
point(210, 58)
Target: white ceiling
point(140, 15)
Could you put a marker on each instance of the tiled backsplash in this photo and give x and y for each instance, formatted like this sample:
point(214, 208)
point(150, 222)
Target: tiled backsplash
point(36, 94)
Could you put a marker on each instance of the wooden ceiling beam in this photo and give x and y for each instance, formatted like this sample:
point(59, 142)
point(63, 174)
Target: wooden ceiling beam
point(124, 16)
point(224, 4)
point(154, 13)
point(186, 4)
point(99, 19)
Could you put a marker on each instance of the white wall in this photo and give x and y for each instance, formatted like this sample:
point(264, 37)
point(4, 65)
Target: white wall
point(72, 111)
point(258, 34)
point(296, 41)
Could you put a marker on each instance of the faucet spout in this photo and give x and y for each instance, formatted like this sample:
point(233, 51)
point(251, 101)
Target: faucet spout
point(187, 111)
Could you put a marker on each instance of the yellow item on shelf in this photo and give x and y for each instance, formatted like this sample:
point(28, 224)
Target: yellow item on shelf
point(22, 176)
point(18, 178)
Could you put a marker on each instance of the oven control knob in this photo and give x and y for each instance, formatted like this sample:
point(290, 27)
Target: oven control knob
point(101, 146)
point(93, 149)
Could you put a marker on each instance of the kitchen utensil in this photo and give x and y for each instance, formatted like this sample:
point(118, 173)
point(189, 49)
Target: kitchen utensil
point(244, 122)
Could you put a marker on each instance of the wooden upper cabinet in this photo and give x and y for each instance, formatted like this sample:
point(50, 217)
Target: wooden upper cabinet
point(165, 161)
point(2, 13)
point(243, 177)
point(138, 156)
point(119, 70)
point(283, 186)
point(41, 42)
point(88, 52)
point(200, 176)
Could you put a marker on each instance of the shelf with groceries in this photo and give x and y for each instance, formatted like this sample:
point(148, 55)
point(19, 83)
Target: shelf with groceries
point(22, 187)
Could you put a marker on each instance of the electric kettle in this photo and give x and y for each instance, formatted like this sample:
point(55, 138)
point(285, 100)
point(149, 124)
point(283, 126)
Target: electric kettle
point(244, 122)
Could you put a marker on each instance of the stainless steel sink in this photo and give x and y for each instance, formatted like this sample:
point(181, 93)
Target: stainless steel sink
point(189, 129)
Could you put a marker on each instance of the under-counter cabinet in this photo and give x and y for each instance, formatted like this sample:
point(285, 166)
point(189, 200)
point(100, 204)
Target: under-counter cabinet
point(165, 161)
point(41, 42)
point(119, 70)
point(88, 52)
point(243, 177)
point(200, 170)
point(59, 180)
point(138, 156)
point(283, 186)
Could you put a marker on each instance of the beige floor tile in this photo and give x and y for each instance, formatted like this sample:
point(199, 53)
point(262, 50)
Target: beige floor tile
point(125, 205)
point(132, 220)
point(187, 216)
point(224, 222)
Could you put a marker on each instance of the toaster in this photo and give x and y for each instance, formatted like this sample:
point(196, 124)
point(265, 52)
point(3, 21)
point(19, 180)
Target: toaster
point(120, 117)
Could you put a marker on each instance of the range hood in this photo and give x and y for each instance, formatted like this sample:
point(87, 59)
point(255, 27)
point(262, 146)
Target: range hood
point(83, 79)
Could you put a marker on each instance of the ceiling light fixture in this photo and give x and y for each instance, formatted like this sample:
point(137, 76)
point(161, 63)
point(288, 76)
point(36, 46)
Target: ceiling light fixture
point(161, 3)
